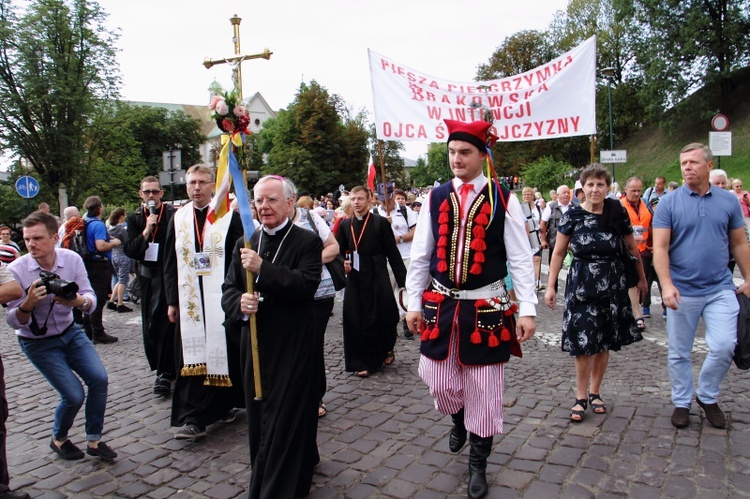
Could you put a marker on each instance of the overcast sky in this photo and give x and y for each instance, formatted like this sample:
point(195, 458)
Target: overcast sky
point(163, 43)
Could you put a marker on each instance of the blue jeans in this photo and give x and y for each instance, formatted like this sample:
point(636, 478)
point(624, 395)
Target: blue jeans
point(59, 358)
point(719, 311)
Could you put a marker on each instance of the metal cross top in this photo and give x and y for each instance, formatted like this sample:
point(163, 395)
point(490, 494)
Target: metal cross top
point(235, 61)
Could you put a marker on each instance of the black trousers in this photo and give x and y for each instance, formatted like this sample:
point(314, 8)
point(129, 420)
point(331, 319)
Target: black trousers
point(99, 277)
point(4, 477)
point(323, 309)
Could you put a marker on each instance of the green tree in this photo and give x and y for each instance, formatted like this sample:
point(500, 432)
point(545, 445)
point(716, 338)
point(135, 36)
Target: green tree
point(517, 54)
point(686, 44)
point(437, 163)
point(419, 176)
point(57, 62)
point(547, 173)
point(614, 25)
point(391, 157)
point(127, 142)
point(315, 142)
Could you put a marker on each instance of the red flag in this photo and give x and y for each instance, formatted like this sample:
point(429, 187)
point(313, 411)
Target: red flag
point(371, 175)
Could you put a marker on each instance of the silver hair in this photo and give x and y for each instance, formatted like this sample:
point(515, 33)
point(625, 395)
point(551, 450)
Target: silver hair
point(290, 191)
point(715, 173)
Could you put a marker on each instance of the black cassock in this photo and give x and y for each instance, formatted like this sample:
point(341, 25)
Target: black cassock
point(158, 332)
point(370, 310)
point(284, 425)
point(192, 401)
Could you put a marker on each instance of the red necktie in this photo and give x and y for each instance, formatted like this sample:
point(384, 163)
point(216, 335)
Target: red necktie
point(466, 190)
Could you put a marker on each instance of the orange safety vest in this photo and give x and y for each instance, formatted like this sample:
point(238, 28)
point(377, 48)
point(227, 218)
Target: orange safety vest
point(641, 219)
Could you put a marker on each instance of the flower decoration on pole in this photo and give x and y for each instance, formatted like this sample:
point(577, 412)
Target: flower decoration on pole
point(229, 112)
point(232, 118)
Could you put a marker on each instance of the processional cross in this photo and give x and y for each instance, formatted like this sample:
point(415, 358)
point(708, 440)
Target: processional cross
point(235, 62)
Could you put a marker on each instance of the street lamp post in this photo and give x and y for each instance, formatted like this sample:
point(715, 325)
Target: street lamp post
point(609, 73)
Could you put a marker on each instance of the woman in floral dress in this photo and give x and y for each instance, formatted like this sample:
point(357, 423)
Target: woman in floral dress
point(597, 316)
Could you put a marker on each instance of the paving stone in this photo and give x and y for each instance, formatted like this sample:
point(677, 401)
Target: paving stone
point(383, 437)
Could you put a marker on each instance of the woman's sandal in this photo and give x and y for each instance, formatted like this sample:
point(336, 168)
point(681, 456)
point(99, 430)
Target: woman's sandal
point(363, 374)
point(599, 408)
point(322, 410)
point(575, 415)
point(640, 324)
point(389, 358)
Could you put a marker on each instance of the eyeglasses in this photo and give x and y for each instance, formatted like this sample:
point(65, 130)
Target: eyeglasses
point(151, 193)
point(199, 183)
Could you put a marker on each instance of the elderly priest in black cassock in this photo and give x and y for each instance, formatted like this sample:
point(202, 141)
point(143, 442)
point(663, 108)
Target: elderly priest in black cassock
point(285, 261)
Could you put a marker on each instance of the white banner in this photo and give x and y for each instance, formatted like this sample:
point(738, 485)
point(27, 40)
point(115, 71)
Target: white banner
point(552, 101)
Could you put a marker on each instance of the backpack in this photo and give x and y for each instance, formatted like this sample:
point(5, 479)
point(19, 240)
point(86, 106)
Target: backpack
point(742, 350)
point(74, 238)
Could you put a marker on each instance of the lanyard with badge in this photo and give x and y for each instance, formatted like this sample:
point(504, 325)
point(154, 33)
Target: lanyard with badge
point(152, 252)
point(356, 240)
point(201, 259)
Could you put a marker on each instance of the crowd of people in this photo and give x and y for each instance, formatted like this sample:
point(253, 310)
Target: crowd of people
point(457, 266)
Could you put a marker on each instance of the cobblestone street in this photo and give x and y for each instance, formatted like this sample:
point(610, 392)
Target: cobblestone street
point(383, 438)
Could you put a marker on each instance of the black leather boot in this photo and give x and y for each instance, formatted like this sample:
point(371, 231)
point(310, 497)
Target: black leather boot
point(480, 451)
point(457, 438)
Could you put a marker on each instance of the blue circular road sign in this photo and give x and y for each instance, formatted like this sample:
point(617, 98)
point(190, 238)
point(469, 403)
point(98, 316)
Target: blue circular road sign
point(27, 187)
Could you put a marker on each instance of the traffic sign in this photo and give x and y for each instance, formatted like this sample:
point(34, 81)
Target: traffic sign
point(613, 156)
point(27, 187)
point(719, 123)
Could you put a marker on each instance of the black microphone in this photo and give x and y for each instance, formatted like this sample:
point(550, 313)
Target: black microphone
point(152, 207)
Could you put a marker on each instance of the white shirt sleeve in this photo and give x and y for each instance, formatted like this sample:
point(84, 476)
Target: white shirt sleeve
point(546, 213)
point(323, 229)
point(520, 260)
point(422, 246)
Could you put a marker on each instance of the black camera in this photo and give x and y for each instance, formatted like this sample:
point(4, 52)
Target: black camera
point(55, 286)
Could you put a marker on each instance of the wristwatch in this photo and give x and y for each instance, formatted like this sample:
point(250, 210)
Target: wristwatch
point(401, 239)
point(86, 304)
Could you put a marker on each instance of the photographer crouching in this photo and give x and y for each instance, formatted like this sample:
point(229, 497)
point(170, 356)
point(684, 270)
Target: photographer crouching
point(55, 281)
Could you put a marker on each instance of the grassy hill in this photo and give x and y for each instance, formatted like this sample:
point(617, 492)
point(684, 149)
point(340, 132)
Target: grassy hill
point(653, 152)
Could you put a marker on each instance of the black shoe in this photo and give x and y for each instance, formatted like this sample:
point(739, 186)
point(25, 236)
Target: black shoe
point(122, 309)
point(457, 437)
point(713, 413)
point(104, 338)
point(111, 306)
point(480, 451)
point(101, 451)
point(681, 417)
point(14, 494)
point(67, 450)
point(162, 385)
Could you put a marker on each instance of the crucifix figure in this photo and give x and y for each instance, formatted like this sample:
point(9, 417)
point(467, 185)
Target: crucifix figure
point(236, 61)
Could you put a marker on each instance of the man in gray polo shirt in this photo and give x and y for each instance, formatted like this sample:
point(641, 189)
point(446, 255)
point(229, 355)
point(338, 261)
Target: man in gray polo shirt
point(696, 282)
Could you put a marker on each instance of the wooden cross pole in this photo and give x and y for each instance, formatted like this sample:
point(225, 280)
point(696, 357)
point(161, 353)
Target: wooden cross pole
point(235, 63)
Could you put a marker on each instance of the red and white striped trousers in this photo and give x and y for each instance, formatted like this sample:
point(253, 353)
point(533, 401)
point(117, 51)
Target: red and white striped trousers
point(478, 389)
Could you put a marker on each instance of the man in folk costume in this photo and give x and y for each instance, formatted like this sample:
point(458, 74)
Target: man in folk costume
point(468, 229)
point(370, 310)
point(209, 382)
point(285, 261)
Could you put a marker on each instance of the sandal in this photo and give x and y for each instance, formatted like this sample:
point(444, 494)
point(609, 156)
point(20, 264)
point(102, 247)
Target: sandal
point(640, 324)
point(389, 358)
point(322, 410)
point(575, 415)
point(363, 374)
point(598, 408)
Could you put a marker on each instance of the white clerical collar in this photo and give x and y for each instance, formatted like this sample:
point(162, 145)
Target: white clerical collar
point(273, 231)
point(201, 209)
